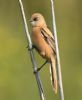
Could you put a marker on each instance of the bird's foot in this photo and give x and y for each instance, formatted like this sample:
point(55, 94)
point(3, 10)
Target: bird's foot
point(29, 49)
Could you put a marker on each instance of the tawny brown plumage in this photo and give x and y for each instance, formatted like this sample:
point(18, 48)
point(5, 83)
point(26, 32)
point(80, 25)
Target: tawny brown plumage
point(43, 40)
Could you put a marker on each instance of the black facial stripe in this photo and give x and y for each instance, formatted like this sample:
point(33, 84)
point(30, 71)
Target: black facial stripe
point(35, 19)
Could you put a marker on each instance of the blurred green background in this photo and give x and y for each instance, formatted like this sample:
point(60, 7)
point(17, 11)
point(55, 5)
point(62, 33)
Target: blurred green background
point(17, 81)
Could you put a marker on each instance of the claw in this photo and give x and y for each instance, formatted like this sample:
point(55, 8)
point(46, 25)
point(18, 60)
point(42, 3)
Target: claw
point(30, 48)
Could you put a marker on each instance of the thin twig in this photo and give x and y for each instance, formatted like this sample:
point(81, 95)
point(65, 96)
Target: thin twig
point(41, 93)
point(57, 53)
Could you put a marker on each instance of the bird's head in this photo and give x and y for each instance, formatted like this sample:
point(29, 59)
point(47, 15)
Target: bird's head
point(37, 20)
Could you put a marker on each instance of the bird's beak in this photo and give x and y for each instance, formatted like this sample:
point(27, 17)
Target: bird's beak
point(30, 20)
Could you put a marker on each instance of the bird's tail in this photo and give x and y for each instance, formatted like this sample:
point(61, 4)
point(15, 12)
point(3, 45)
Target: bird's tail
point(53, 73)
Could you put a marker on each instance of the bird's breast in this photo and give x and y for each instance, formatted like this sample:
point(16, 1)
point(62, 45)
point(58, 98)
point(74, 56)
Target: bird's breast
point(39, 41)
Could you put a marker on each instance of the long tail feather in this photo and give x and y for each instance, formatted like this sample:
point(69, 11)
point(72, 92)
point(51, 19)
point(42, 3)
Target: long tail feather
point(53, 74)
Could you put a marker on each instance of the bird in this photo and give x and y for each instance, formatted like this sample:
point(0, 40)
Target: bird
point(43, 41)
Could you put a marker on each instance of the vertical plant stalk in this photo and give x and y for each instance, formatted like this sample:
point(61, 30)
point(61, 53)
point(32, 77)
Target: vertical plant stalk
point(40, 88)
point(57, 53)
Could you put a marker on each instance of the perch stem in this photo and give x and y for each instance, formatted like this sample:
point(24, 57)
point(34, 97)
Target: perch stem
point(57, 53)
point(39, 83)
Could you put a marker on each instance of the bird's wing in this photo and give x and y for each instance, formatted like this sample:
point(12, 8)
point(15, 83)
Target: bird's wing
point(48, 38)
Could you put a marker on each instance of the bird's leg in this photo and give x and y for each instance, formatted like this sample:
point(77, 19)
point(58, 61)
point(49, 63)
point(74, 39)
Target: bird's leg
point(42, 65)
point(38, 69)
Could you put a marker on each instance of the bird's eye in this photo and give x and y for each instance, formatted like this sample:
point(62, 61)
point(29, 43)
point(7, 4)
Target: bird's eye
point(36, 19)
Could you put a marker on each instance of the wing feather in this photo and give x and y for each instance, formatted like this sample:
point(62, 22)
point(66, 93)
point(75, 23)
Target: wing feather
point(48, 38)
